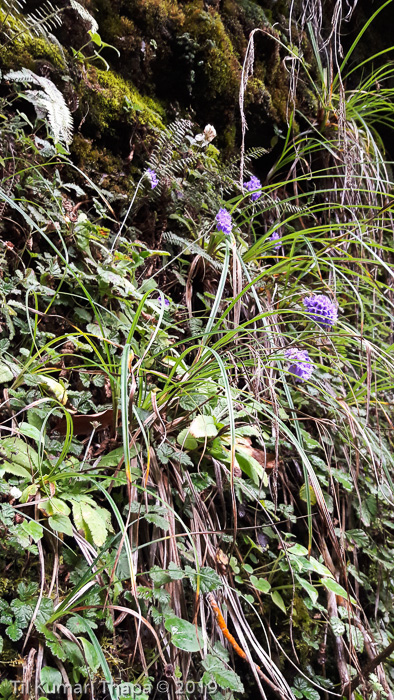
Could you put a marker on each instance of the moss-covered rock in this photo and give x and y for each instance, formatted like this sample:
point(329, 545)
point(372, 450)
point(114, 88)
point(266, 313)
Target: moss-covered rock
point(23, 49)
point(113, 100)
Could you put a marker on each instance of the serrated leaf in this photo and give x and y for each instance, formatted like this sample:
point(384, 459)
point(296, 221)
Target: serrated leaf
point(301, 684)
point(61, 523)
point(183, 634)
point(157, 520)
point(203, 427)
point(22, 611)
point(14, 632)
point(261, 584)
point(45, 611)
point(278, 600)
point(225, 677)
point(209, 579)
point(175, 572)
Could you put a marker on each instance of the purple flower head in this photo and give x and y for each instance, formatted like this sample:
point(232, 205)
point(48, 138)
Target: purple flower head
point(223, 221)
point(276, 237)
point(301, 364)
point(253, 184)
point(321, 309)
point(152, 177)
point(166, 302)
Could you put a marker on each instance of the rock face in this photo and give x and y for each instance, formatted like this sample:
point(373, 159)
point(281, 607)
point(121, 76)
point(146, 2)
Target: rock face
point(190, 54)
point(152, 61)
point(165, 59)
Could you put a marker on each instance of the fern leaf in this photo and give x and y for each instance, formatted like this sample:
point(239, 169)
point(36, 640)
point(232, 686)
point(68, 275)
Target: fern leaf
point(85, 15)
point(48, 102)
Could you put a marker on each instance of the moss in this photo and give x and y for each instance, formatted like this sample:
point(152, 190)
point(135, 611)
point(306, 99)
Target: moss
point(25, 50)
point(220, 67)
point(111, 100)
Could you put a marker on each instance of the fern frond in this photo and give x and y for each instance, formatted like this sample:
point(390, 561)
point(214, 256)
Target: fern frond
point(85, 15)
point(41, 22)
point(173, 239)
point(48, 102)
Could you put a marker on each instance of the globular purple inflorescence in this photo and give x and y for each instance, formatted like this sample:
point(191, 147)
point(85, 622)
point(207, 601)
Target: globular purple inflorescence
point(276, 237)
point(223, 221)
point(166, 302)
point(253, 184)
point(321, 309)
point(152, 177)
point(301, 365)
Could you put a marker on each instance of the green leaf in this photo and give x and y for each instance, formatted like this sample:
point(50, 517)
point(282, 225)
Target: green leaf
point(251, 467)
point(14, 632)
point(33, 529)
point(45, 611)
point(54, 506)
point(298, 550)
point(22, 611)
point(225, 677)
point(175, 572)
point(301, 684)
point(278, 600)
point(311, 494)
point(337, 626)
point(90, 654)
point(358, 537)
point(183, 634)
point(95, 522)
point(14, 453)
point(318, 567)
point(159, 576)
point(309, 441)
point(5, 374)
point(96, 38)
point(157, 520)
point(311, 590)
point(50, 677)
point(333, 586)
point(61, 523)
point(209, 579)
point(261, 584)
point(186, 440)
point(54, 387)
point(203, 427)
point(356, 636)
point(31, 431)
point(342, 479)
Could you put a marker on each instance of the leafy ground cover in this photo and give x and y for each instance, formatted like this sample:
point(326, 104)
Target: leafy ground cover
point(196, 413)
